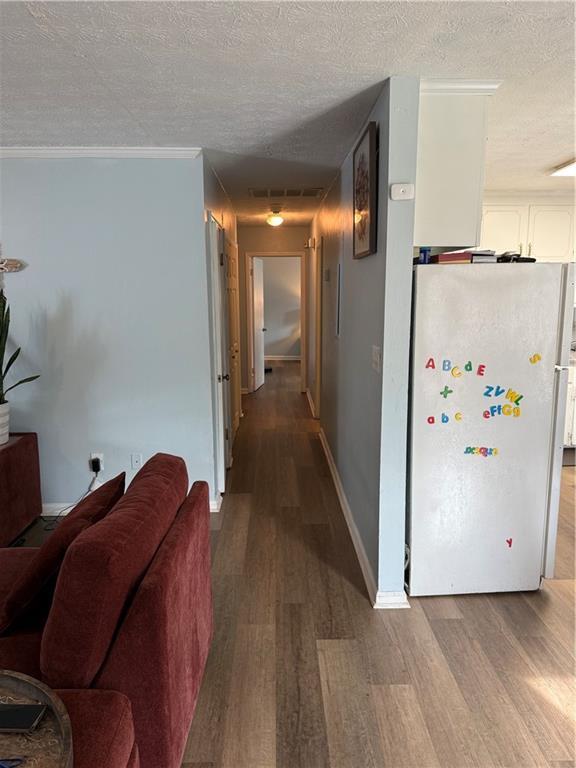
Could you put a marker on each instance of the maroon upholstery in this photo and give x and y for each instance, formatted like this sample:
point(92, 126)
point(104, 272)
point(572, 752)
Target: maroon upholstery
point(160, 651)
point(102, 729)
point(13, 560)
point(20, 500)
point(101, 570)
point(21, 653)
point(40, 573)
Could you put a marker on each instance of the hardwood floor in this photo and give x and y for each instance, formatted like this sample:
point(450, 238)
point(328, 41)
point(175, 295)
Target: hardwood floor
point(303, 673)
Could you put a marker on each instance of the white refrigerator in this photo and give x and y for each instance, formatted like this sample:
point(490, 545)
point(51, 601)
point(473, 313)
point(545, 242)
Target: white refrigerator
point(490, 349)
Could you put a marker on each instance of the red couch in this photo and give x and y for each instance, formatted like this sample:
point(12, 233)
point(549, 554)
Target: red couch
point(129, 626)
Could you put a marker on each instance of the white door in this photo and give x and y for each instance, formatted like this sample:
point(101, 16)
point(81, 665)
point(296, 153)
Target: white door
point(505, 228)
point(259, 329)
point(219, 334)
point(551, 232)
point(484, 383)
point(224, 378)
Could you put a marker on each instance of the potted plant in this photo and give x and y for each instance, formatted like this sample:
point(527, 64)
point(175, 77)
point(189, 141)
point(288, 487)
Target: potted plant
point(4, 405)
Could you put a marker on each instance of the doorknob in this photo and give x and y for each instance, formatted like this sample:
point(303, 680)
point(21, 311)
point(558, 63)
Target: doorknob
point(223, 378)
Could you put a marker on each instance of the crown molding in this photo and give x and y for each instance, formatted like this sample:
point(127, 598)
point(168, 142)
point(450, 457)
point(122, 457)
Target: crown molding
point(459, 86)
point(121, 153)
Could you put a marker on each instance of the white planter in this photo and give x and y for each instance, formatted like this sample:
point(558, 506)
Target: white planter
point(4, 423)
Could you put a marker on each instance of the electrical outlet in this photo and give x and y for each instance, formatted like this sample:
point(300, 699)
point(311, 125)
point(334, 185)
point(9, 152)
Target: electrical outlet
point(136, 460)
point(97, 456)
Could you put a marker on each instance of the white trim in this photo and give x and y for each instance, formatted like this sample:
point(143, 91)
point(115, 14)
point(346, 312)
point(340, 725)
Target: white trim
point(53, 510)
point(459, 86)
point(155, 153)
point(215, 505)
point(311, 404)
point(387, 600)
point(282, 357)
point(378, 599)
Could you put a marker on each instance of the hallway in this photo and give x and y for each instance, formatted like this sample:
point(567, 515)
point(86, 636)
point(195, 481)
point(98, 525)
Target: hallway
point(303, 673)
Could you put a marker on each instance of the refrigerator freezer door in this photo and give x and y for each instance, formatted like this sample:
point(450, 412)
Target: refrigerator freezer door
point(485, 341)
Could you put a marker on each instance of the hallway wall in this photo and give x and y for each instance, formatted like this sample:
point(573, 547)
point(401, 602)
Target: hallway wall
point(263, 239)
point(364, 412)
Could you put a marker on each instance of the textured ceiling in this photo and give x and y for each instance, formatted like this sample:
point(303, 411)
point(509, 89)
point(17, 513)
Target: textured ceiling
point(276, 91)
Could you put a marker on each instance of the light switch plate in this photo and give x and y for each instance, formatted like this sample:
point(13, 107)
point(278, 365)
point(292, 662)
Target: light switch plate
point(403, 191)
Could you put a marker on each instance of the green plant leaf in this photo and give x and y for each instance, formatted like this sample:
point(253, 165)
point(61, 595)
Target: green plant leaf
point(4, 325)
point(22, 381)
point(11, 362)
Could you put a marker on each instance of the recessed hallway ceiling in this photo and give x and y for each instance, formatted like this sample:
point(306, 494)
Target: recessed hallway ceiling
point(276, 91)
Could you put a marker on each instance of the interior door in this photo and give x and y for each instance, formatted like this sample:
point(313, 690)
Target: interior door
point(505, 228)
point(551, 232)
point(232, 291)
point(259, 330)
point(224, 376)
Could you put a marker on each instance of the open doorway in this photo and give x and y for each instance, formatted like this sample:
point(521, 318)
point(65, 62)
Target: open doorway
point(276, 313)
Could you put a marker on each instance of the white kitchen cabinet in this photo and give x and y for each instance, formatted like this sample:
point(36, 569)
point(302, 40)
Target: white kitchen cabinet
point(551, 232)
point(543, 231)
point(570, 427)
point(504, 228)
point(450, 170)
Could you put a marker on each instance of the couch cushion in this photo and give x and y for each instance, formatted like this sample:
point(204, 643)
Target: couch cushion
point(13, 560)
point(102, 728)
point(101, 570)
point(40, 572)
point(166, 636)
point(21, 653)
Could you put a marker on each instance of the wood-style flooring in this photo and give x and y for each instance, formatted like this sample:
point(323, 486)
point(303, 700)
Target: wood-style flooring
point(303, 673)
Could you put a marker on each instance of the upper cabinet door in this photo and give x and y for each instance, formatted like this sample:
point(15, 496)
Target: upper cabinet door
point(551, 232)
point(505, 228)
point(450, 170)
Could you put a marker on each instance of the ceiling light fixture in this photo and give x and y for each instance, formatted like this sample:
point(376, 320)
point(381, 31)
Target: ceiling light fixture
point(274, 219)
point(568, 169)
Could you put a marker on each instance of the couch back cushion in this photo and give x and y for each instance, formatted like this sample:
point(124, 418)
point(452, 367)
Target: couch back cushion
point(101, 570)
point(39, 575)
point(160, 650)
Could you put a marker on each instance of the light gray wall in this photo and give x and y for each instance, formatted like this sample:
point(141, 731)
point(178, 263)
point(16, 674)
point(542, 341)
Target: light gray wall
point(263, 239)
point(282, 306)
point(112, 311)
point(363, 413)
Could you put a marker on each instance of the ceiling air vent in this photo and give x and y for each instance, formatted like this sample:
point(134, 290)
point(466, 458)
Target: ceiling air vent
point(275, 192)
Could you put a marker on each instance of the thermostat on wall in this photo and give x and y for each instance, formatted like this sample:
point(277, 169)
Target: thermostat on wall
point(402, 191)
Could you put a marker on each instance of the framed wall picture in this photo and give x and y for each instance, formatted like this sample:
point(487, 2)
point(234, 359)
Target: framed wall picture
point(364, 198)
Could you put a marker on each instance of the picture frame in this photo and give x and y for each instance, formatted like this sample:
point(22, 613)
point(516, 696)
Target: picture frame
point(364, 191)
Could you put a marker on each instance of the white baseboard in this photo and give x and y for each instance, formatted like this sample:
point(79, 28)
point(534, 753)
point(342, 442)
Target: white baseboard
point(281, 357)
point(215, 505)
point(378, 599)
point(311, 404)
point(52, 510)
point(391, 600)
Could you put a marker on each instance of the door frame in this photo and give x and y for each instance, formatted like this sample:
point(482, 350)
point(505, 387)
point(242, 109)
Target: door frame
point(303, 312)
point(215, 243)
point(318, 325)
